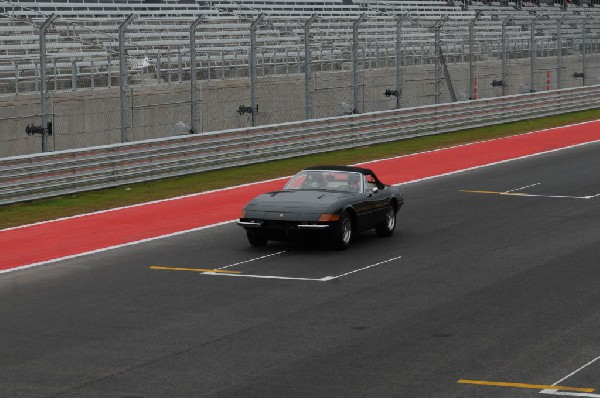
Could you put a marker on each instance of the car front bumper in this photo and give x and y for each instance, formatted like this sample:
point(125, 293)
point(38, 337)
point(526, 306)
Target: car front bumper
point(285, 230)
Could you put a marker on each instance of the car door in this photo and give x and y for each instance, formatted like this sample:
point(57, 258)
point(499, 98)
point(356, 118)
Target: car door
point(379, 199)
point(371, 210)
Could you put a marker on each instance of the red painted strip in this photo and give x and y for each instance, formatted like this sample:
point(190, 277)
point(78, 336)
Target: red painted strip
point(47, 241)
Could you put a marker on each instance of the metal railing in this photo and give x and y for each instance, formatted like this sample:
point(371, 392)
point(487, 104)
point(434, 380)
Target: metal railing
point(44, 175)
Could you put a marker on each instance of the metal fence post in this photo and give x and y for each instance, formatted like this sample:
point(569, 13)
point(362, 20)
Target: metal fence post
point(253, 27)
point(471, 51)
point(17, 76)
point(193, 28)
point(123, 74)
point(559, 58)
point(438, 65)
point(43, 30)
point(355, 94)
point(533, 56)
point(399, 87)
point(109, 70)
point(307, 68)
point(584, 49)
point(504, 57)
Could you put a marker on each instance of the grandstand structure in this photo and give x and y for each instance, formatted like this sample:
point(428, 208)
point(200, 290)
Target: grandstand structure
point(82, 42)
point(83, 47)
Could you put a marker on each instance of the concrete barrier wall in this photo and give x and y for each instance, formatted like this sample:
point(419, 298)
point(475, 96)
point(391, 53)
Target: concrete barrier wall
point(85, 118)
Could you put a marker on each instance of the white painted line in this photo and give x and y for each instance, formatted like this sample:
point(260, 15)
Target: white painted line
point(144, 204)
point(362, 163)
point(253, 259)
point(490, 140)
point(576, 371)
point(275, 179)
point(528, 186)
point(114, 247)
point(527, 195)
point(493, 163)
point(364, 268)
point(571, 394)
point(267, 277)
point(544, 196)
point(324, 279)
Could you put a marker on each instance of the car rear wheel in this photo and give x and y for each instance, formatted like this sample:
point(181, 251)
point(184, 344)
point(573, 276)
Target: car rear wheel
point(342, 234)
point(256, 239)
point(387, 227)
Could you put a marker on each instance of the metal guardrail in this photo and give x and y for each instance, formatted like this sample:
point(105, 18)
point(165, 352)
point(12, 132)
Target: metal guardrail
point(24, 178)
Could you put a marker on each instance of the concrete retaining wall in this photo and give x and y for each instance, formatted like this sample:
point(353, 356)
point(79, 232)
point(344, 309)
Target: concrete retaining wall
point(92, 117)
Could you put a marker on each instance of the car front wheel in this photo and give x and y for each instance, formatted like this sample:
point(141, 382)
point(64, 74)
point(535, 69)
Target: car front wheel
point(387, 227)
point(342, 234)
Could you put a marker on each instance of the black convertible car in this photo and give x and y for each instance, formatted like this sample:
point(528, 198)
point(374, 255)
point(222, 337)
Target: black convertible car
point(334, 201)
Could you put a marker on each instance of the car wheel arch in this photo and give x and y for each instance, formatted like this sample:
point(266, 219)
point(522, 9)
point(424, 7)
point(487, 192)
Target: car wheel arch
point(394, 203)
point(353, 216)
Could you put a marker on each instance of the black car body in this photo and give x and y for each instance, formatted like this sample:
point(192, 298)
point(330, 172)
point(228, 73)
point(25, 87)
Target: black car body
point(336, 202)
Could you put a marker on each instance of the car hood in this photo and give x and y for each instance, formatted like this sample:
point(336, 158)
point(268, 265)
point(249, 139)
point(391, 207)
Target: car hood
point(298, 200)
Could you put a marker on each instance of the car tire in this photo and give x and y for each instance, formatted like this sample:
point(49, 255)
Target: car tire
point(256, 239)
point(386, 228)
point(342, 234)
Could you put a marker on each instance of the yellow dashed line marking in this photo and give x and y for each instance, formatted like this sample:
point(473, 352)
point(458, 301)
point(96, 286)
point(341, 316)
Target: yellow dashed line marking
point(524, 385)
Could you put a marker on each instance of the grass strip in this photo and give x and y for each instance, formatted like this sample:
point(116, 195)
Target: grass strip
point(47, 209)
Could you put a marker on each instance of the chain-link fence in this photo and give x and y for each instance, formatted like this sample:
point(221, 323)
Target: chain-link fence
point(104, 80)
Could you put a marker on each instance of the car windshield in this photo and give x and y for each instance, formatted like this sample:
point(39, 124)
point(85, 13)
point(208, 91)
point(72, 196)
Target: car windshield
point(326, 180)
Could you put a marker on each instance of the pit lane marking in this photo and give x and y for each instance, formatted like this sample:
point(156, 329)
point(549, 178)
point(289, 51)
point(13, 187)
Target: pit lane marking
point(323, 279)
point(554, 391)
point(525, 385)
point(221, 270)
point(569, 394)
point(252, 259)
point(521, 194)
point(525, 187)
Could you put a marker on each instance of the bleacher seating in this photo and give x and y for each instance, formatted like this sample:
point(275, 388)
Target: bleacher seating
point(82, 43)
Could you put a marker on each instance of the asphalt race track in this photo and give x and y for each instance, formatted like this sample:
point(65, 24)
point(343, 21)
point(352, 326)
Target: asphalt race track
point(489, 288)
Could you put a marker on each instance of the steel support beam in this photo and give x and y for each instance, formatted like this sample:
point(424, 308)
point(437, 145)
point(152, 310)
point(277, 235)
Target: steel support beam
point(559, 57)
point(193, 29)
point(533, 55)
point(253, 28)
point(355, 88)
point(123, 75)
point(584, 49)
point(43, 30)
point(438, 56)
point(471, 52)
point(399, 75)
point(308, 107)
point(505, 22)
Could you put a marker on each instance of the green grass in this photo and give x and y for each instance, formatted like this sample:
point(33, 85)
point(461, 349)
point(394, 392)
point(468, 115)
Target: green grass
point(48, 209)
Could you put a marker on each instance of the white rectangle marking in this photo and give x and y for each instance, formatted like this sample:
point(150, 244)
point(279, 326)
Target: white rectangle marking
point(323, 279)
point(572, 394)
